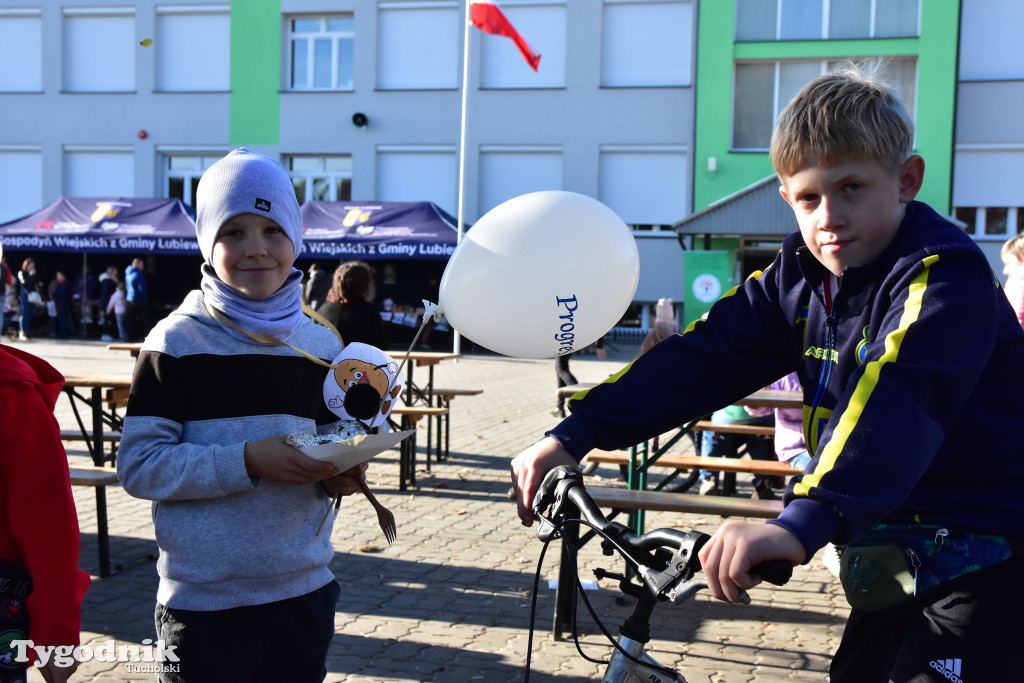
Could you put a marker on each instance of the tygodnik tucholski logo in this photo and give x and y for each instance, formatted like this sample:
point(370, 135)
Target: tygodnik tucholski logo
point(566, 336)
point(149, 658)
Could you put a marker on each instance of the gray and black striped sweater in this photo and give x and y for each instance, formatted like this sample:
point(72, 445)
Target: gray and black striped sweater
point(198, 395)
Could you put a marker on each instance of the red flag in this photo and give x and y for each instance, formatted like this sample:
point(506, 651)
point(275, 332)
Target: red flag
point(488, 17)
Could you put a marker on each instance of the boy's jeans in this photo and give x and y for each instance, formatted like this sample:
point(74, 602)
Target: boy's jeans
point(714, 445)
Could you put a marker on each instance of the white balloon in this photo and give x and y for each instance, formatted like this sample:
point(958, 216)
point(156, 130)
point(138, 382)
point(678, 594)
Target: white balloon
point(541, 275)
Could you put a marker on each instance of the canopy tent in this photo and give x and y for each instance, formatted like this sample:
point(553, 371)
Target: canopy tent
point(381, 230)
point(104, 225)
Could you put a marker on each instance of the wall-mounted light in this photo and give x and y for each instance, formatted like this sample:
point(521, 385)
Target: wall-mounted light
point(712, 164)
point(359, 120)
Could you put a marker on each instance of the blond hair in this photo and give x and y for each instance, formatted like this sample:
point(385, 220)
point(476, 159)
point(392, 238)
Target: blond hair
point(848, 113)
point(1014, 247)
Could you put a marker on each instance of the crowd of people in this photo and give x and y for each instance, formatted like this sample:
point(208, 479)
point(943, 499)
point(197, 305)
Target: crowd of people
point(114, 305)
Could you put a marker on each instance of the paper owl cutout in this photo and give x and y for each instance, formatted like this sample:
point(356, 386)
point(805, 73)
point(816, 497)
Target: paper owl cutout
point(364, 386)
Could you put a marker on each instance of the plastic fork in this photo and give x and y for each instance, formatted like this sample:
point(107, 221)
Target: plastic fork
point(384, 516)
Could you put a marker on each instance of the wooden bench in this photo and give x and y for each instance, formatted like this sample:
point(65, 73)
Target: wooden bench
point(99, 478)
point(734, 428)
point(684, 461)
point(410, 416)
point(444, 400)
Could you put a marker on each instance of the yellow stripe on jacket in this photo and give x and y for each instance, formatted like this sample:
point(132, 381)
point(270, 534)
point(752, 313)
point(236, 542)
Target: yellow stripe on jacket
point(867, 383)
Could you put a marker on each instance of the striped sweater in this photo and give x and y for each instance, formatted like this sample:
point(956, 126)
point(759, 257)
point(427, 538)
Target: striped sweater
point(912, 383)
point(198, 395)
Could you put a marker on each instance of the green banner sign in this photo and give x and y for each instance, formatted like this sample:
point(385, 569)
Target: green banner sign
point(708, 275)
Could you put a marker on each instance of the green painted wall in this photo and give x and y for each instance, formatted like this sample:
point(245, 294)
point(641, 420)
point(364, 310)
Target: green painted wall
point(255, 72)
point(936, 49)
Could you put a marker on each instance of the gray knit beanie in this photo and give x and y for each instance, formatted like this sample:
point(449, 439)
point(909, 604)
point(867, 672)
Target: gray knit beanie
point(245, 182)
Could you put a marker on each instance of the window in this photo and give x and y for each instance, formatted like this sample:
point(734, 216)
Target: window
point(763, 20)
point(646, 43)
point(427, 173)
point(99, 172)
point(193, 48)
point(21, 182)
point(509, 171)
point(99, 49)
point(418, 45)
point(762, 90)
point(992, 221)
point(321, 178)
point(645, 186)
point(542, 24)
point(21, 51)
point(182, 173)
point(320, 52)
point(990, 40)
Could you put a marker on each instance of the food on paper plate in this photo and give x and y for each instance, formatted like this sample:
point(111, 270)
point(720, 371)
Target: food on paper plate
point(343, 431)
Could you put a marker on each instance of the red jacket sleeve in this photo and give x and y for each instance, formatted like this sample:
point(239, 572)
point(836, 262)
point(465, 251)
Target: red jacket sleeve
point(40, 525)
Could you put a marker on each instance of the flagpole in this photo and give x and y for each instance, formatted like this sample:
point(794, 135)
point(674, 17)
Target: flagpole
point(456, 337)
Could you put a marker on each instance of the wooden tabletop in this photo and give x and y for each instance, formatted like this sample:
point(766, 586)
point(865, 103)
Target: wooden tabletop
point(762, 398)
point(114, 380)
point(418, 357)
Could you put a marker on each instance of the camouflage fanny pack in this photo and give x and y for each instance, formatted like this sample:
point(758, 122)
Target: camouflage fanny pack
point(893, 563)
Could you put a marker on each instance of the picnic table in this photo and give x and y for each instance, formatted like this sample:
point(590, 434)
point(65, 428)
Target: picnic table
point(647, 454)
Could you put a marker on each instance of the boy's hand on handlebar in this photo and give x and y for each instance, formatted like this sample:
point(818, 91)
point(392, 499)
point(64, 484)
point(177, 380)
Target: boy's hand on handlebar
point(275, 460)
point(528, 470)
point(736, 547)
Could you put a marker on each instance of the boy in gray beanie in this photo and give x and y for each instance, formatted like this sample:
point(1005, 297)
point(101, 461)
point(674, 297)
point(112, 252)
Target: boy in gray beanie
point(236, 509)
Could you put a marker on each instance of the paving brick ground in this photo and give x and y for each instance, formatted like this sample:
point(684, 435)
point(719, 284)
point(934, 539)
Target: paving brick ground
point(450, 600)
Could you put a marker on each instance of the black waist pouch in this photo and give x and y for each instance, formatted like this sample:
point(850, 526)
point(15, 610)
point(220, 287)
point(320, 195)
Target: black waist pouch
point(893, 563)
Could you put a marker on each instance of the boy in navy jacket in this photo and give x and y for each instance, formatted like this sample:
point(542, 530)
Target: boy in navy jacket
point(910, 358)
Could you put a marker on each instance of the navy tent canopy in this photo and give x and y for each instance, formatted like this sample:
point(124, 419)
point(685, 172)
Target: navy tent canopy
point(105, 225)
point(381, 230)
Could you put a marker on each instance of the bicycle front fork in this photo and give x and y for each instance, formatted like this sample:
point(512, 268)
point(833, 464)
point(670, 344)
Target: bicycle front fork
point(621, 669)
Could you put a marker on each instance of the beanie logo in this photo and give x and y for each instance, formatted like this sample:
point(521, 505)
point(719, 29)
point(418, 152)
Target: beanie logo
point(263, 204)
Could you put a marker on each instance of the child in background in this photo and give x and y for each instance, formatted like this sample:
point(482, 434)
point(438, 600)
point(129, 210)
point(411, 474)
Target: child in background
point(910, 360)
point(118, 305)
point(1012, 254)
point(245, 590)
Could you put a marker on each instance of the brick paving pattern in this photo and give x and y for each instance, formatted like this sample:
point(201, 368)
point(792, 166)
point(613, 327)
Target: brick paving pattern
point(450, 600)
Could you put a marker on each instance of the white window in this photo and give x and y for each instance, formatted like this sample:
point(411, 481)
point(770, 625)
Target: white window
point(990, 40)
point(99, 49)
point(1000, 222)
point(762, 89)
point(99, 172)
point(509, 171)
point(319, 52)
point(988, 193)
point(21, 182)
point(418, 45)
point(644, 185)
point(21, 50)
point(826, 19)
point(321, 178)
point(542, 25)
point(182, 171)
point(646, 43)
point(418, 174)
point(193, 48)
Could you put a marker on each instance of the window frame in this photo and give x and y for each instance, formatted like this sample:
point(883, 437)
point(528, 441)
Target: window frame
point(826, 16)
point(336, 37)
point(336, 179)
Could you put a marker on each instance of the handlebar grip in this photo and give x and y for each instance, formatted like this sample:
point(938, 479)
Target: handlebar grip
point(776, 572)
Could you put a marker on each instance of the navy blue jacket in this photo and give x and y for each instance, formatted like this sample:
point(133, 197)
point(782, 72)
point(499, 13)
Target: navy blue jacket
point(912, 385)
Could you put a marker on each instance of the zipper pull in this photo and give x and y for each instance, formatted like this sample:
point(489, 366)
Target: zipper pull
point(940, 536)
point(915, 563)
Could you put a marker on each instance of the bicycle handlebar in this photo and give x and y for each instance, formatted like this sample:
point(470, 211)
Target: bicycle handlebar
point(562, 490)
